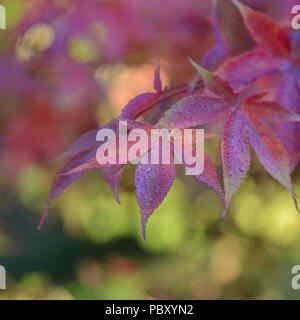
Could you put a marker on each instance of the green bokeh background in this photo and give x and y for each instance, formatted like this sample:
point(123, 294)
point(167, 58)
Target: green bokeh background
point(90, 247)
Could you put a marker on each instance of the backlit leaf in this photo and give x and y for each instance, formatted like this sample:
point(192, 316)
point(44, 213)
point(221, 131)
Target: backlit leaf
point(152, 183)
point(265, 31)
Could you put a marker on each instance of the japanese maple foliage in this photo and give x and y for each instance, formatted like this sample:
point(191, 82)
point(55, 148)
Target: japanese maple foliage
point(225, 94)
point(243, 124)
point(276, 52)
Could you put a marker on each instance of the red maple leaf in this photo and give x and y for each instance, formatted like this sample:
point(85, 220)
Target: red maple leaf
point(276, 51)
point(245, 122)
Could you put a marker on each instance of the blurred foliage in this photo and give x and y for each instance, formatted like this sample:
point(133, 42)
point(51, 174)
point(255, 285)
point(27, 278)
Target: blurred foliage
point(90, 247)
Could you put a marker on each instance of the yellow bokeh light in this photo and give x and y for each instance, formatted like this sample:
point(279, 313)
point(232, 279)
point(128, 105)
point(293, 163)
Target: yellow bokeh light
point(38, 38)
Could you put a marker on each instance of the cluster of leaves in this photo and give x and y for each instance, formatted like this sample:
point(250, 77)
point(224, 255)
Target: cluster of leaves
point(270, 126)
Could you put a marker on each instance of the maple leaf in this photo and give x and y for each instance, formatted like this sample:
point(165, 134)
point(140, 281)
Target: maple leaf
point(276, 52)
point(193, 110)
point(152, 183)
point(265, 31)
point(243, 125)
point(271, 55)
point(243, 70)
